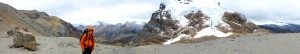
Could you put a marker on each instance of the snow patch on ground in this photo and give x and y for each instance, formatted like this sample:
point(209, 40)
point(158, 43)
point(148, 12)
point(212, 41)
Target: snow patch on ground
point(176, 39)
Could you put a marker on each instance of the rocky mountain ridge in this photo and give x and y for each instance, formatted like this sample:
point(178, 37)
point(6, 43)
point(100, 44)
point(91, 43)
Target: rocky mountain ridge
point(39, 23)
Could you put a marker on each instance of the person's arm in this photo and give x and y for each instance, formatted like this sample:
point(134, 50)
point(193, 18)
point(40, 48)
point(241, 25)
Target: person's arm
point(94, 43)
point(81, 42)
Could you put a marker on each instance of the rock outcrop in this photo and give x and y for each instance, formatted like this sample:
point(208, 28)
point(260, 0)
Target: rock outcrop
point(160, 21)
point(238, 23)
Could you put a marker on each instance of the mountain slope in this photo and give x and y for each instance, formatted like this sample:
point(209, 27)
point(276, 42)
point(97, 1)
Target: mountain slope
point(39, 23)
point(188, 19)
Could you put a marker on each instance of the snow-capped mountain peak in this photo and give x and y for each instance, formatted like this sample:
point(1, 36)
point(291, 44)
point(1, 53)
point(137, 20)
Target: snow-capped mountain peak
point(186, 19)
point(180, 8)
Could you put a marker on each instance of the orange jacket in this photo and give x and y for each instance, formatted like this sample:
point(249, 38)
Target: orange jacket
point(85, 43)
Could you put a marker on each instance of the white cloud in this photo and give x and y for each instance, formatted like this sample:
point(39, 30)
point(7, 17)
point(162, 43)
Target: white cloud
point(120, 11)
point(91, 11)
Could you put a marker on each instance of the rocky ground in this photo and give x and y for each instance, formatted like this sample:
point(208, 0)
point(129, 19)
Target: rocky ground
point(285, 43)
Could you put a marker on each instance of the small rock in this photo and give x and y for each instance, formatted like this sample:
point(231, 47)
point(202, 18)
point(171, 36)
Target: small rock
point(11, 46)
point(25, 29)
point(31, 45)
point(17, 28)
point(1, 20)
point(10, 32)
point(235, 50)
point(69, 44)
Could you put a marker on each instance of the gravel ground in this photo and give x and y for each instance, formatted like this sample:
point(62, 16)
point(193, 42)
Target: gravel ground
point(285, 43)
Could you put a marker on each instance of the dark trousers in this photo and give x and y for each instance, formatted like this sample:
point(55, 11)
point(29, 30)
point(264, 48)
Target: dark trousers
point(87, 51)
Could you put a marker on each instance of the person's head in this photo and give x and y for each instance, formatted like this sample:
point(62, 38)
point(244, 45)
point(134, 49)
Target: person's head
point(91, 30)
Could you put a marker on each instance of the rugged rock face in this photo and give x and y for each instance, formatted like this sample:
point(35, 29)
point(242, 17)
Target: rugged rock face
point(162, 27)
point(39, 23)
point(191, 19)
point(161, 21)
point(238, 23)
point(51, 25)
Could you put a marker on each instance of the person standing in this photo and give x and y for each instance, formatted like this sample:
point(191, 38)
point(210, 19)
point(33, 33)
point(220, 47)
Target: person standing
point(87, 41)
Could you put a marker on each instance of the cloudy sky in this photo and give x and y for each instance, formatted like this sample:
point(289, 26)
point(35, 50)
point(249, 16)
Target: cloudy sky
point(266, 11)
point(119, 11)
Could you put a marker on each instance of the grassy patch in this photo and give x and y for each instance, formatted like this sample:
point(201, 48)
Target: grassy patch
point(235, 35)
point(196, 40)
point(117, 44)
point(100, 40)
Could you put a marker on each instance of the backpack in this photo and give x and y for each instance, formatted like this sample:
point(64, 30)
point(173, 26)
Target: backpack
point(84, 32)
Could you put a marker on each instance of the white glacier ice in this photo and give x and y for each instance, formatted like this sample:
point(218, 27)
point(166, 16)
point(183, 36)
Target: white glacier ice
point(179, 9)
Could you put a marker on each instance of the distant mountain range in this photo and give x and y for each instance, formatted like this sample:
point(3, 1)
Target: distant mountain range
point(282, 28)
point(115, 33)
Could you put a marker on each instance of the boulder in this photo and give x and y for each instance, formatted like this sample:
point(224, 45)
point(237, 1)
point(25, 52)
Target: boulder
point(22, 38)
